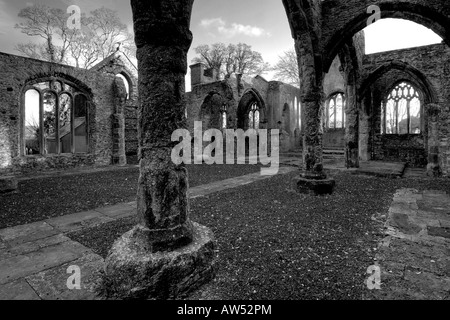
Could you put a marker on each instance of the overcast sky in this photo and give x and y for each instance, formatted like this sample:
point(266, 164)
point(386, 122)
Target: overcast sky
point(259, 23)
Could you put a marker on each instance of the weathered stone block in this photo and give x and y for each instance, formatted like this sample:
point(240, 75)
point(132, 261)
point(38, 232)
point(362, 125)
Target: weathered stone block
point(132, 271)
point(8, 185)
point(314, 186)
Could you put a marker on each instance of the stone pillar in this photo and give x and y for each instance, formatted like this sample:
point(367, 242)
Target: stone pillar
point(433, 167)
point(351, 128)
point(118, 123)
point(166, 255)
point(313, 179)
point(364, 130)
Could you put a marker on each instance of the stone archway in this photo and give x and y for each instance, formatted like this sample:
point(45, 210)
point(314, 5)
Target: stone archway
point(354, 17)
point(374, 142)
point(210, 111)
point(251, 111)
point(305, 21)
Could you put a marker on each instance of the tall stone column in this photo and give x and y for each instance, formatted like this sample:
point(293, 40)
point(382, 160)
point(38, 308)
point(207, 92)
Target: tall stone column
point(433, 167)
point(166, 255)
point(351, 128)
point(313, 179)
point(364, 129)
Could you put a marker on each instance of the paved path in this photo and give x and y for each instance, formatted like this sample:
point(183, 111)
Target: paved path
point(34, 258)
point(381, 169)
point(414, 258)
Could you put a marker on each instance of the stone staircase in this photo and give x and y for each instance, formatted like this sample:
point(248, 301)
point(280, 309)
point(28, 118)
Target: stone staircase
point(334, 153)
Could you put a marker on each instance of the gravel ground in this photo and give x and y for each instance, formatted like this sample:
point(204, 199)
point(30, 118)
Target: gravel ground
point(48, 197)
point(276, 244)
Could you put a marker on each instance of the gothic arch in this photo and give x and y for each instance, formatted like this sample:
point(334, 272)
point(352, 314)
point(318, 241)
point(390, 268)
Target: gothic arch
point(412, 75)
point(249, 97)
point(210, 110)
point(430, 15)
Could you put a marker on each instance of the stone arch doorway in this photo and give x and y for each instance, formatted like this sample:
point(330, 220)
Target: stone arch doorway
point(251, 111)
point(211, 111)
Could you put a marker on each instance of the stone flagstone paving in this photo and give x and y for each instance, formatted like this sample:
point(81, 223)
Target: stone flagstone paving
point(414, 257)
point(34, 258)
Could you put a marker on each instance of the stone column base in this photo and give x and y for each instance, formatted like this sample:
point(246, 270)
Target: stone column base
point(314, 186)
point(133, 272)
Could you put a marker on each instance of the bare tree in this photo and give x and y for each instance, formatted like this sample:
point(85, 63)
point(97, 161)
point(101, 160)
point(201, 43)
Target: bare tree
point(33, 50)
point(108, 31)
point(212, 56)
point(286, 69)
point(244, 60)
point(231, 59)
point(47, 23)
point(99, 36)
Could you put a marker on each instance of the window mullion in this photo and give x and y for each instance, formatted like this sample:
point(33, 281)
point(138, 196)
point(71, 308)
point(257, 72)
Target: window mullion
point(57, 124)
point(408, 121)
point(72, 124)
point(396, 117)
point(41, 123)
point(335, 112)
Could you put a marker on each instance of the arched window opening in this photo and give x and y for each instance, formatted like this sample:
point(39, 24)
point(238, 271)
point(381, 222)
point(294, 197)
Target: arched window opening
point(127, 84)
point(223, 117)
point(253, 116)
point(32, 123)
point(401, 111)
point(55, 119)
point(335, 111)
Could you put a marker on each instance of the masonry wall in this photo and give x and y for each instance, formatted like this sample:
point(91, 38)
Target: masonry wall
point(15, 73)
point(333, 82)
point(428, 69)
point(274, 95)
point(118, 63)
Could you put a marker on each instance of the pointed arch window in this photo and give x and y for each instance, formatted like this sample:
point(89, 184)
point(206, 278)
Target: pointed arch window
point(55, 119)
point(126, 83)
point(223, 116)
point(253, 116)
point(335, 111)
point(401, 112)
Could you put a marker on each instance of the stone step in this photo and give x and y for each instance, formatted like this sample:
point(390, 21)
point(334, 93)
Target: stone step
point(334, 151)
point(291, 154)
point(381, 169)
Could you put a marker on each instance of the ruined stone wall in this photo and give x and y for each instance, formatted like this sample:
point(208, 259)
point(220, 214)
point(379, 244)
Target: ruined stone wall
point(408, 148)
point(279, 96)
point(333, 82)
point(195, 99)
point(274, 95)
point(15, 73)
point(341, 19)
point(119, 63)
point(428, 69)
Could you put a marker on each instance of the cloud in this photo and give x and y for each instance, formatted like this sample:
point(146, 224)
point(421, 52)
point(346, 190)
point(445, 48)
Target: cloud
point(234, 29)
